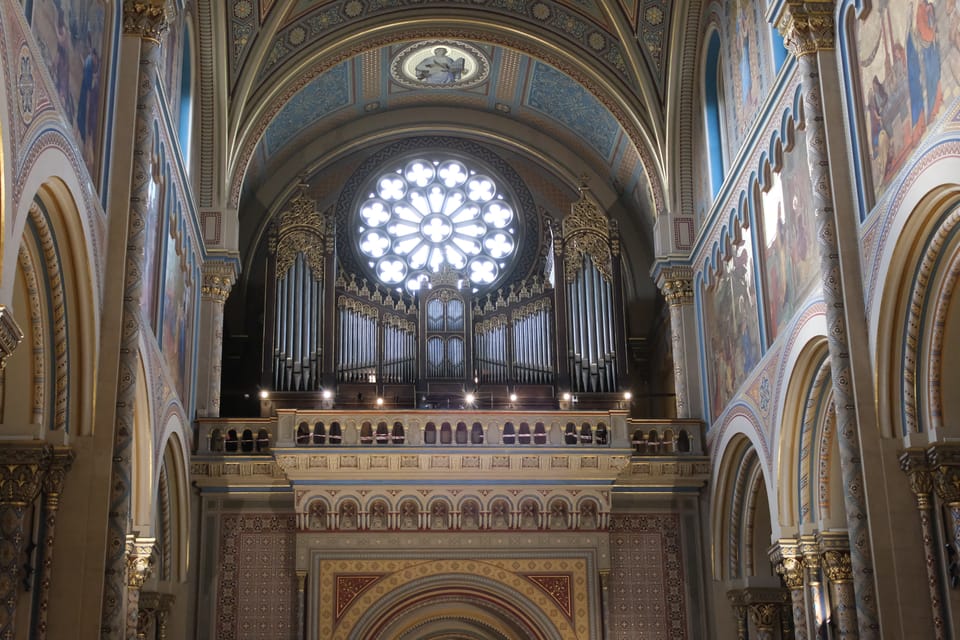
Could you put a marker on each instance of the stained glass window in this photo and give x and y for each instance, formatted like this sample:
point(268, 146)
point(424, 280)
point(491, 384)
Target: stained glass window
point(429, 213)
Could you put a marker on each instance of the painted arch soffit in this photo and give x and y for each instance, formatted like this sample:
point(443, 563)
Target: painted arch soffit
point(578, 111)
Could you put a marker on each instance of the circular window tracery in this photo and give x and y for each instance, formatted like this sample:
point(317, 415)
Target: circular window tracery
point(429, 213)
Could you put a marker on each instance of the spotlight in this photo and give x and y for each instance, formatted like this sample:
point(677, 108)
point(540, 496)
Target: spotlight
point(379, 402)
point(513, 397)
point(264, 394)
point(627, 395)
point(566, 396)
point(469, 398)
point(327, 394)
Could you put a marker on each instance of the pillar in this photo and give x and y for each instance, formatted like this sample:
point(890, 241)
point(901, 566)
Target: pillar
point(809, 549)
point(788, 562)
point(52, 487)
point(218, 279)
point(914, 464)
point(22, 470)
point(145, 20)
point(140, 560)
point(808, 30)
point(676, 284)
point(838, 566)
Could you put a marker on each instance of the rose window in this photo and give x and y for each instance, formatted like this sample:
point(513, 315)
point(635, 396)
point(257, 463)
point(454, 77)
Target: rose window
point(430, 213)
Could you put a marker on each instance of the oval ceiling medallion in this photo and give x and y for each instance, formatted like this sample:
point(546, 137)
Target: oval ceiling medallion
point(440, 64)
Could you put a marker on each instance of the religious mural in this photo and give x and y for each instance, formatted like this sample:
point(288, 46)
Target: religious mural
point(909, 67)
point(789, 251)
point(73, 36)
point(750, 70)
point(731, 327)
point(179, 293)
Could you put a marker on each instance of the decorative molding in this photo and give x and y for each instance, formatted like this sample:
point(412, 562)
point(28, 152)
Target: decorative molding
point(10, 334)
point(140, 560)
point(22, 470)
point(586, 230)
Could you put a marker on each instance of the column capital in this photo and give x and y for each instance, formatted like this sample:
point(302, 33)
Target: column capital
point(913, 462)
point(22, 470)
point(56, 475)
point(837, 565)
point(10, 334)
point(944, 463)
point(788, 562)
point(140, 560)
point(675, 282)
point(148, 19)
point(219, 277)
point(807, 26)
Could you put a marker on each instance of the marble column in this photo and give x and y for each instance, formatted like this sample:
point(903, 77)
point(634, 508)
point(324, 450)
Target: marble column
point(218, 279)
point(788, 561)
point(838, 566)
point(808, 30)
point(22, 470)
point(147, 21)
point(140, 560)
point(52, 487)
point(914, 464)
point(676, 284)
point(809, 549)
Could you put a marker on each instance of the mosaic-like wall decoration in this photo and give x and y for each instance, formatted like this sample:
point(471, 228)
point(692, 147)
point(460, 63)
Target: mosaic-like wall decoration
point(647, 593)
point(256, 586)
point(73, 36)
point(324, 95)
point(789, 243)
point(730, 327)
point(750, 70)
point(557, 95)
point(909, 63)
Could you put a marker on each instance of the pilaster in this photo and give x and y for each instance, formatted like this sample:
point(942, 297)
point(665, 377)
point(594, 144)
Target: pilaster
point(676, 284)
point(808, 30)
point(53, 483)
point(838, 566)
point(218, 279)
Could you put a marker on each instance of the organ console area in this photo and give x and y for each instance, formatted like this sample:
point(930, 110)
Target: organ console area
point(455, 322)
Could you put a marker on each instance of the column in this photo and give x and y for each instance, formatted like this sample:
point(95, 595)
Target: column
point(676, 284)
point(838, 566)
point(301, 604)
point(788, 561)
point(218, 279)
point(140, 559)
point(810, 552)
point(739, 612)
point(808, 30)
point(52, 486)
point(145, 20)
point(22, 469)
point(914, 464)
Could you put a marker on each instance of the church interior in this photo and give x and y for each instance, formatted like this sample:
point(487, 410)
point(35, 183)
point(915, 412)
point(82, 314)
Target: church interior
point(486, 320)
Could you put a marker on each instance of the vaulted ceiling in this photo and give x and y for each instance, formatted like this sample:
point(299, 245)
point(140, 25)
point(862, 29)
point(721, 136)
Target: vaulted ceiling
point(570, 89)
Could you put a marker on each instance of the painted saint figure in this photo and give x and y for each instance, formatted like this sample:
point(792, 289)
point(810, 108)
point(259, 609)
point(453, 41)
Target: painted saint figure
point(440, 68)
point(923, 67)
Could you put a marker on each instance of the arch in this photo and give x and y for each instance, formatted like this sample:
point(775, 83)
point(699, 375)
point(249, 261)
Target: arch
point(142, 489)
point(174, 465)
point(303, 436)
point(413, 597)
point(378, 515)
point(470, 509)
point(916, 318)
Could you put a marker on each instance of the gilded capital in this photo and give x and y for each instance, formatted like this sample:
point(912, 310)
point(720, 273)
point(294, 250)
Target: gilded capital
point(808, 26)
point(148, 19)
point(944, 463)
point(10, 335)
point(55, 477)
point(22, 469)
point(140, 560)
point(838, 566)
point(218, 280)
point(791, 570)
point(678, 291)
point(913, 462)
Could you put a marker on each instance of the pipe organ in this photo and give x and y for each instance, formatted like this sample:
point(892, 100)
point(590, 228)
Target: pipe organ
point(332, 329)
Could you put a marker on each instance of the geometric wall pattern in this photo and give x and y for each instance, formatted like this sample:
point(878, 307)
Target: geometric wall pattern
point(257, 585)
point(646, 587)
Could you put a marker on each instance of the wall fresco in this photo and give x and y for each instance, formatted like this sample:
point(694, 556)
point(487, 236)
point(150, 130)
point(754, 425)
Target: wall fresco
point(788, 229)
point(909, 61)
point(73, 36)
point(749, 68)
point(731, 327)
point(179, 293)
